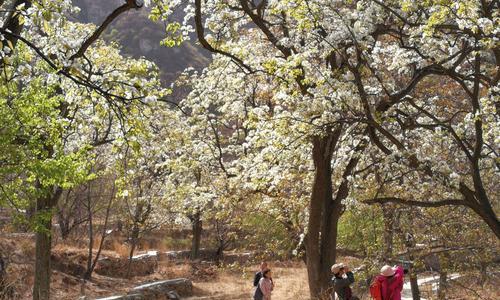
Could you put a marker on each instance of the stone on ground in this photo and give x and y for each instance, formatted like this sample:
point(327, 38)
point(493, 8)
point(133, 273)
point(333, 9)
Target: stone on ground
point(172, 288)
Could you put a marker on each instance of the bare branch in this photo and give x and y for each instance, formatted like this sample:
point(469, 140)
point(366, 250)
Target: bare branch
point(130, 4)
point(439, 203)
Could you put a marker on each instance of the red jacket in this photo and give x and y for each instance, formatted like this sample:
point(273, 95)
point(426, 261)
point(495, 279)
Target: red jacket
point(391, 287)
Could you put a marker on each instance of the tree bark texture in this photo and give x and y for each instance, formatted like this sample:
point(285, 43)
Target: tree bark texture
point(324, 213)
point(197, 230)
point(44, 206)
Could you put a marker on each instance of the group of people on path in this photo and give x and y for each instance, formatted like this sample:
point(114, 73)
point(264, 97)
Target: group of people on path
point(387, 285)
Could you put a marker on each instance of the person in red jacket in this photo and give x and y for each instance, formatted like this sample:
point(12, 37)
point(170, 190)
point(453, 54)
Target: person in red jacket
point(389, 283)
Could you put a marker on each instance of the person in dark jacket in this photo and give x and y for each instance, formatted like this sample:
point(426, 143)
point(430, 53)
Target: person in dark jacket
point(341, 281)
point(258, 275)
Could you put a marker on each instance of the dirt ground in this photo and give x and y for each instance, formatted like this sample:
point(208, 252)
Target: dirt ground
point(290, 283)
point(209, 280)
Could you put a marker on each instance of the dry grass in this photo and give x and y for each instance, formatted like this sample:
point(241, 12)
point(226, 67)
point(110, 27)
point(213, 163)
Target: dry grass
point(290, 277)
point(290, 283)
point(123, 250)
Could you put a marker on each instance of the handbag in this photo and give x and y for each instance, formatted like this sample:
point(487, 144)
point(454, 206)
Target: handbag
point(258, 295)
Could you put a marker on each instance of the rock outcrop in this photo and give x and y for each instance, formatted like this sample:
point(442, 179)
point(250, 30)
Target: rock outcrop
point(161, 290)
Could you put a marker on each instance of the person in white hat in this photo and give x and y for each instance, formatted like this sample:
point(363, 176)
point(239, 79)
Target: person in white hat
point(387, 271)
point(341, 281)
point(388, 284)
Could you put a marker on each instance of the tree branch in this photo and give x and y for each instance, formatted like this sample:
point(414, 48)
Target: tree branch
point(97, 33)
point(386, 200)
point(200, 33)
point(13, 24)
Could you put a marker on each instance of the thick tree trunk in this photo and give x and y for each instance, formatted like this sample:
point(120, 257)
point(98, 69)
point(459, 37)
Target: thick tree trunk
point(197, 230)
point(44, 205)
point(324, 213)
point(41, 289)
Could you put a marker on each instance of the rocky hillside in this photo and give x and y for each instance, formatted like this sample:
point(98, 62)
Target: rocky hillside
point(139, 36)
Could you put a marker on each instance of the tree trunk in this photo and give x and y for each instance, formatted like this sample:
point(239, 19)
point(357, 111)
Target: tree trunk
point(89, 271)
point(219, 253)
point(41, 289)
point(139, 218)
point(323, 218)
point(44, 206)
point(90, 233)
point(388, 214)
point(64, 227)
point(221, 242)
point(443, 275)
point(197, 230)
point(325, 211)
point(415, 292)
point(66, 211)
point(134, 239)
point(442, 284)
point(2, 275)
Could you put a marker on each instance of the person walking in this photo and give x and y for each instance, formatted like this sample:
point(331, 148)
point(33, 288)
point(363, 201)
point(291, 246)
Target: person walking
point(266, 284)
point(341, 281)
point(388, 284)
point(258, 275)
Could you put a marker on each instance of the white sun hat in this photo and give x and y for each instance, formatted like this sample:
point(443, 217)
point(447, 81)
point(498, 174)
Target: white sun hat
point(387, 271)
point(336, 268)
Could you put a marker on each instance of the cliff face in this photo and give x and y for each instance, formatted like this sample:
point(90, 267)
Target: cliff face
point(139, 37)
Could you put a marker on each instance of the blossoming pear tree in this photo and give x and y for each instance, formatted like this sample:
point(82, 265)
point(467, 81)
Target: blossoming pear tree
point(318, 61)
point(64, 93)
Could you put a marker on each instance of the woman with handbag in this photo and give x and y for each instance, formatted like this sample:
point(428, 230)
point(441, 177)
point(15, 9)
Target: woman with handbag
point(265, 286)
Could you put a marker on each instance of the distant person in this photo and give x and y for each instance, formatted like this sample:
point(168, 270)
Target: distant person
point(341, 282)
point(388, 284)
point(266, 284)
point(258, 275)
